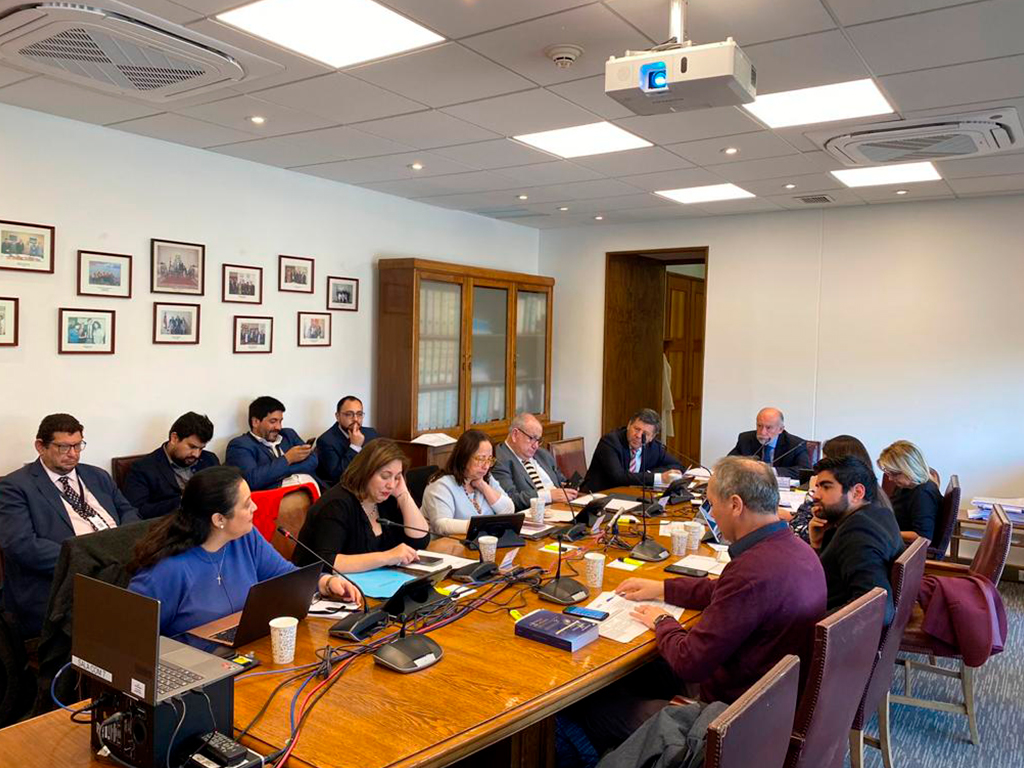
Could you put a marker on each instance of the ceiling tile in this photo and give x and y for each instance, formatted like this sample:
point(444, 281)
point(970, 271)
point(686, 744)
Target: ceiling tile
point(807, 61)
point(73, 101)
point(546, 222)
point(688, 177)
point(806, 184)
point(323, 146)
point(987, 165)
point(442, 75)
point(751, 146)
point(886, 193)
point(959, 84)
point(386, 168)
point(458, 18)
point(458, 183)
point(598, 31)
point(661, 213)
point(690, 126)
point(633, 161)
point(234, 113)
point(557, 172)
point(473, 201)
point(858, 11)
point(746, 21)
point(212, 7)
point(580, 190)
point(989, 185)
point(426, 129)
point(499, 153)
point(839, 197)
point(769, 168)
point(589, 94)
point(182, 130)
point(178, 13)
point(340, 98)
point(8, 76)
point(967, 33)
point(747, 205)
point(602, 204)
point(519, 113)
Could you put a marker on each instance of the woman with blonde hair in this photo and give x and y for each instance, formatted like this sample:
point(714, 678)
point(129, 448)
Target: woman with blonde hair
point(917, 499)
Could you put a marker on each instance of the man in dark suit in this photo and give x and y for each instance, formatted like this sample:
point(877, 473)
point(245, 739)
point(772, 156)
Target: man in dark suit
point(632, 455)
point(524, 469)
point(336, 447)
point(269, 454)
point(155, 482)
point(44, 503)
point(772, 444)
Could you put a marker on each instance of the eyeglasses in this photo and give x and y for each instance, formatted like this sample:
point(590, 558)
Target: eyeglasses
point(484, 460)
point(64, 448)
point(352, 414)
point(528, 436)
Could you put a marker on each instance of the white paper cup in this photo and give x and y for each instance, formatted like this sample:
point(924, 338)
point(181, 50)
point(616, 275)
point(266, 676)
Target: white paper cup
point(488, 548)
point(537, 511)
point(695, 532)
point(282, 638)
point(680, 538)
point(594, 563)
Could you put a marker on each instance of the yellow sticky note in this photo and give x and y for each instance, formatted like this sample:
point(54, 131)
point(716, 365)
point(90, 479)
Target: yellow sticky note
point(631, 561)
point(447, 590)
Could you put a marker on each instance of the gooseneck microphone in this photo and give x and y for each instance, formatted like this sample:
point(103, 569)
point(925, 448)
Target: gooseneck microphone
point(562, 589)
point(647, 548)
point(797, 447)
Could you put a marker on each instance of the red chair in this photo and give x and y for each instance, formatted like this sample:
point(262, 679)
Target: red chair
point(272, 510)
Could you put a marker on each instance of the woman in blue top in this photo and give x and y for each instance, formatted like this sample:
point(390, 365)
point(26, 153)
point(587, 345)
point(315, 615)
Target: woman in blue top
point(200, 561)
point(465, 487)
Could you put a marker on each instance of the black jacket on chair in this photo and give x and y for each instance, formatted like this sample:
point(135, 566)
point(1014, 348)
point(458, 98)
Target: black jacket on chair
point(788, 458)
point(610, 465)
point(151, 486)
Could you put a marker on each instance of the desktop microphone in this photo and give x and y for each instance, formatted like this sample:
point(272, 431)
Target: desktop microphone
point(355, 626)
point(562, 589)
point(474, 572)
point(647, 548)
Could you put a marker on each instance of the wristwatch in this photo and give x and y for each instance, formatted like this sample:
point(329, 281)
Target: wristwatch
point(662, 618)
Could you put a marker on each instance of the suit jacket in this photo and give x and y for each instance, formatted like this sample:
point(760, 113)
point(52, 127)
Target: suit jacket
point(33, 523)
point(262, 470)
point(508, 470)
point(334, 452)
point(788, 458)
point(152, 487)
point(609, 466)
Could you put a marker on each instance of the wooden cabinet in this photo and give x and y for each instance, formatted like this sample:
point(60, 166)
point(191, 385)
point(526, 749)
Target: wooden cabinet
point(461, 347)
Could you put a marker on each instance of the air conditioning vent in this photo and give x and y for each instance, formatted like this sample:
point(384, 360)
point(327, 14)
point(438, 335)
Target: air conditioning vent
point(814, 199)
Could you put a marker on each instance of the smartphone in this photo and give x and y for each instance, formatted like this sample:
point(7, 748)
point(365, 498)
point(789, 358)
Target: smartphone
point(684, 571)
point(586, 613)
point(311, 441)
point(428, 560)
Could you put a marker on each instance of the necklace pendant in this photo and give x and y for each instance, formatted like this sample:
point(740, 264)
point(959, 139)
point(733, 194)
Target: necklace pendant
point(219, 580)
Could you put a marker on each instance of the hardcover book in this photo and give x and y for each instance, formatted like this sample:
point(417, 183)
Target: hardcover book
point(569, 633)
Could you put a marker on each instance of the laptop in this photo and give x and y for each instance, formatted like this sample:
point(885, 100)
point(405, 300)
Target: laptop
point(289, 594)
point(705, 511)
point(115, 639)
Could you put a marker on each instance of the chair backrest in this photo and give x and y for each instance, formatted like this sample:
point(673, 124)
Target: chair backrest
point(813, 451)
point(990, 559)
point(947, 518)
point(286, 508)
point(758, 722)
point(570, 456)
point(416, 481)
point(845, 647)
point(934, 475)
point(119, 466)
point(905, 578)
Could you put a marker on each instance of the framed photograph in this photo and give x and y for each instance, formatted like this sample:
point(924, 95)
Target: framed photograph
point(104, 274)
point(294, 274)
point(254, 334)
point(314, 329)
point(85, 331)
point(241, 285)
point(8, 321)
point(343, 294)
point(175, 323)
point(26, 246)
point(177, 267)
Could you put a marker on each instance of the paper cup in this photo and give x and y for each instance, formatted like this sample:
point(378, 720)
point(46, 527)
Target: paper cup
point(488, 548)
point(537, 511)
point(680, 538)
point(282, 638)
point(594, 563)
point(694, 532)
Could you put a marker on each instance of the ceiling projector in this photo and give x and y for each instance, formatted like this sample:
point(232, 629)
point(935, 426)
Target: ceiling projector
point(681, 78)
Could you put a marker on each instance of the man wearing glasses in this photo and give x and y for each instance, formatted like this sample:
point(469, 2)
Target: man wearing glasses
point(525, 470)
point(337, 446)
point(45, 502)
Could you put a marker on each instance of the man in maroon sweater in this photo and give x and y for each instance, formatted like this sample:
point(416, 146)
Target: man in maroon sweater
point(763, 606)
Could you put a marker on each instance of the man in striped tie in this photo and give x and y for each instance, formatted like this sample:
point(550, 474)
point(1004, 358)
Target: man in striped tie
point(524, 469)
point(632, 455)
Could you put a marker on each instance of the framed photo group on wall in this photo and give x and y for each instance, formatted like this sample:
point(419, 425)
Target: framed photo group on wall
point(85, 331)
point(175, 323)
point(177, 267)
point(104, 274)
point(26, 247)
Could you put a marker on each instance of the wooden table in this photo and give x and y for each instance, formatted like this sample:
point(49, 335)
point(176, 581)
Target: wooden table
point(969, 530)
point(489, 685)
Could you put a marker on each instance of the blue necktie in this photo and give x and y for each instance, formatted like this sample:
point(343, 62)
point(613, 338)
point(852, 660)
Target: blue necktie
point(767, 454)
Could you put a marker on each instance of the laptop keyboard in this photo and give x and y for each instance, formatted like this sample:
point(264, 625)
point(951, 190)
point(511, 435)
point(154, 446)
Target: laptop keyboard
point(170, 677)
point(227, 635)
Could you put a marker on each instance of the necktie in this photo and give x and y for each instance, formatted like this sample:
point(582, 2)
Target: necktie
point(767, 454)
point(78, 503)
point(534, 476)
point(634, 464)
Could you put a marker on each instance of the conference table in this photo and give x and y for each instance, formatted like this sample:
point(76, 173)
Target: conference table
point(491, 689)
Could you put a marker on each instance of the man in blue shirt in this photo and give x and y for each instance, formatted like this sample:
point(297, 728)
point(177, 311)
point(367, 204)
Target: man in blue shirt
point(336, 447)
point(269, 454)
point(772, 444)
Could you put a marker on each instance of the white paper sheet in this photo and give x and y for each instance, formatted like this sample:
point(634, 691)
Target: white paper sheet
point(446, 561)
point(702, 563)
point(434, 438)
point(619, 626)
point(792, 499)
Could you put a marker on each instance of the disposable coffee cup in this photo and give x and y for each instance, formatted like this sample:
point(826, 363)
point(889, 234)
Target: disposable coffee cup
point(680, 538)
point(594, 563)
point(694, 532)
point(488, 548)
point(282, 638)
point(537, 510)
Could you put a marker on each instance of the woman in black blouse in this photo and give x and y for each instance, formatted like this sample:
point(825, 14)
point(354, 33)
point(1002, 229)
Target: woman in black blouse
point(917, 499)
point(344, 526)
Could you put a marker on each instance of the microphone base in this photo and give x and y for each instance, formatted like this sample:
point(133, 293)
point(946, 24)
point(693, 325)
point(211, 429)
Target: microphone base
point(359, 626)
point(650, 551)
point(474, 573)
point(409, 654)
point(564, 591)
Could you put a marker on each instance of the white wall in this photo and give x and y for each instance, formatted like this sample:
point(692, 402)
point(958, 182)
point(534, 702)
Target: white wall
point(112, 191)
point(886, 322)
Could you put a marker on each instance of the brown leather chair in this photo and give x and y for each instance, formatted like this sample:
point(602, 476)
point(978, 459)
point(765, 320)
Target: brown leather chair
point(758, 722)
point(946, 520)
point(570, 456)
point(989, 562)
point(813, 451)
point(845, 647)
point(905, 579)
point(119, 466)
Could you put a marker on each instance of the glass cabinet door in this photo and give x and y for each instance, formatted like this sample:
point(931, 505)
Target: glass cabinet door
point(531, 350)
point(440, 363)
point(489, 355)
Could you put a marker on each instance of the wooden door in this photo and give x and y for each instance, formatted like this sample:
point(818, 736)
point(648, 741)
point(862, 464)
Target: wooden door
point(684, 346)
point(634, 308)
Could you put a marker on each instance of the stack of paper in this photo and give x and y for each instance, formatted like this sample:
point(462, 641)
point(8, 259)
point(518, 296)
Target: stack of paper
point(792, 499)
point(701, 563)
point(619, 626)
point(446, 561)
point(981, 507)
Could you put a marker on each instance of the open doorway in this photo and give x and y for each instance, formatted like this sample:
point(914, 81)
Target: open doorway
point(655, 311)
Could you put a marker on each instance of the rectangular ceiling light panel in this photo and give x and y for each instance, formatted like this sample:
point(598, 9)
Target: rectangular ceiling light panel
point(821, 104)
point(908, 173)
point(706, 194)
point(582, 140)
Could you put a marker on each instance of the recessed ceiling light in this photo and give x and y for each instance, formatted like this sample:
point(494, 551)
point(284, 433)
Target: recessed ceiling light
point(336, 33)
point(789, 186)
point(257, 120)
point(731, 151)
point(906, 173)
point(417, 166)
point(707, 194)
point(901, 191)
point(563, 208)
point(522, 197)
point(599, 218)
point(821, 104)
point(580, 140)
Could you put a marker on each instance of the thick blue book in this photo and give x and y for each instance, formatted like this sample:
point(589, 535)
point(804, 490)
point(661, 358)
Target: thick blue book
point(569, 633)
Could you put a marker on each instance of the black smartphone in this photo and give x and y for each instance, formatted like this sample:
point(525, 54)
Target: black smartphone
point(682, 570)
point(311, 441)
point(428, 560)
point(586, 613)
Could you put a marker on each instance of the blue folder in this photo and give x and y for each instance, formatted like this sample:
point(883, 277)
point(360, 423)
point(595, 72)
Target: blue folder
point(380, 583)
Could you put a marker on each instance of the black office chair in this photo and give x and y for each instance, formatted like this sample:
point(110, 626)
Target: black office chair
point(416, 481)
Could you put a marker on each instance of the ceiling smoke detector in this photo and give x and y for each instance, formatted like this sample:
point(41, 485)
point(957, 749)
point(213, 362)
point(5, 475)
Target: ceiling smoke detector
point(564, 55)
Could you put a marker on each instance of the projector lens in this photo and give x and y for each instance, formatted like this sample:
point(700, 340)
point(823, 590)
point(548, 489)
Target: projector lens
point(658, 80)
point(654, 76)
